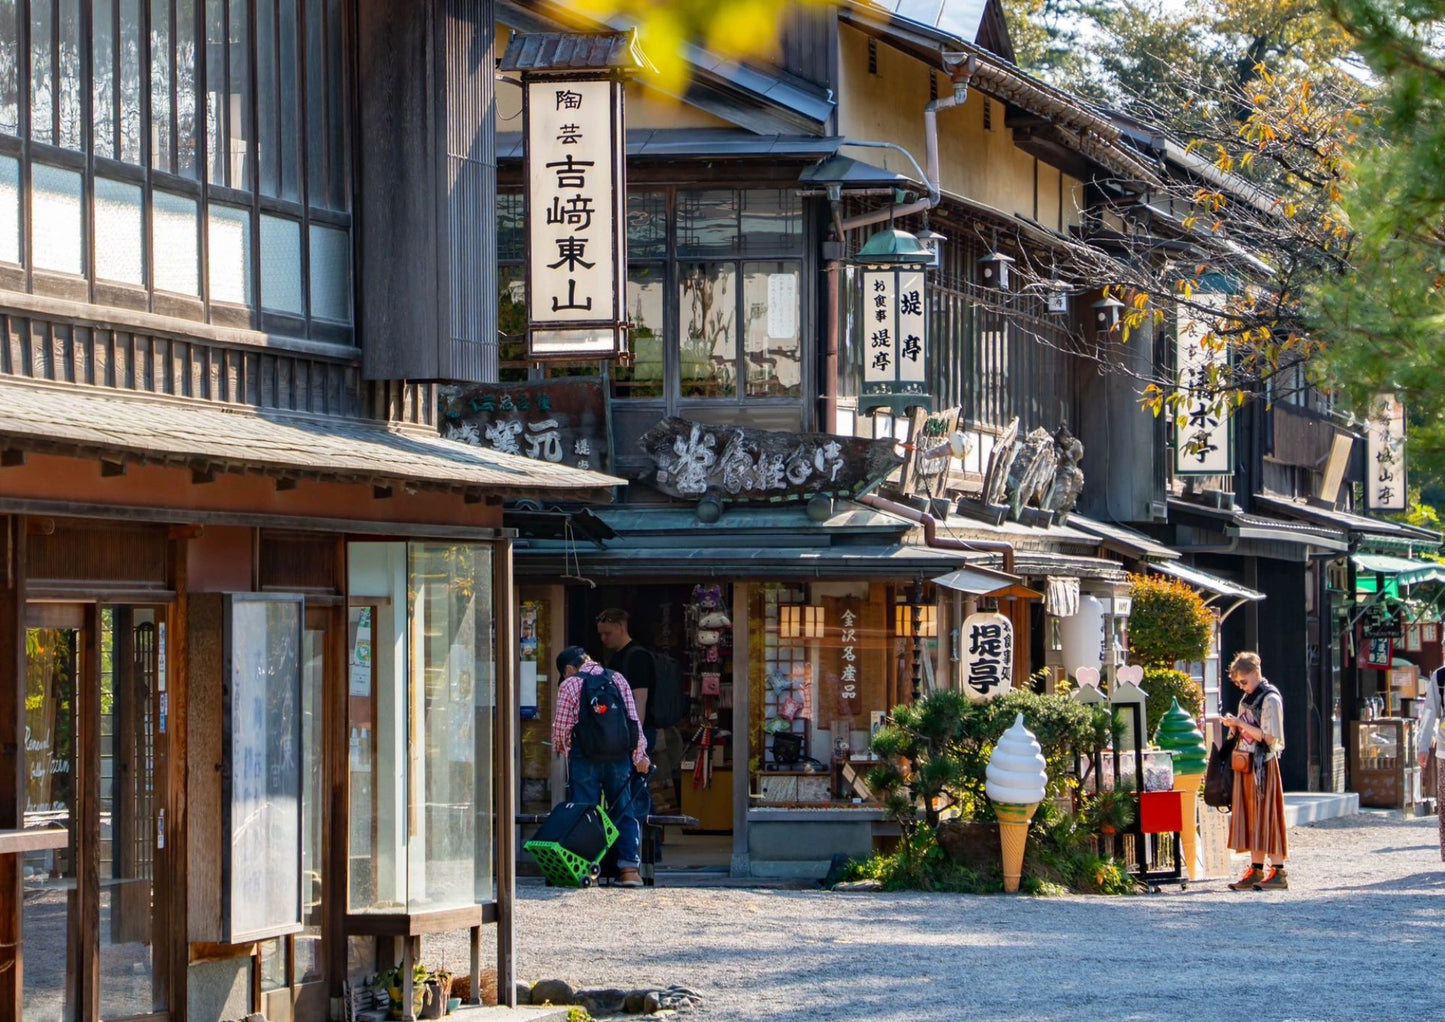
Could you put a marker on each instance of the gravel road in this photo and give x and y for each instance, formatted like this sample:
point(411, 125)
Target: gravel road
point(1359, 935)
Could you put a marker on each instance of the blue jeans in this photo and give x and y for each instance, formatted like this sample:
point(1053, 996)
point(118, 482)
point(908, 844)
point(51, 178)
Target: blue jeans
point(589, 780)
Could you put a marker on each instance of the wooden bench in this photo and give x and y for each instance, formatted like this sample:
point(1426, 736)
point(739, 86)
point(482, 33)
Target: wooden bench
point(651, 831)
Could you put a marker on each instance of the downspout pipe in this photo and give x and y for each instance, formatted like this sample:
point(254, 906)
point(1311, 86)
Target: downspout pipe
point(930, 530)
point(961, 78)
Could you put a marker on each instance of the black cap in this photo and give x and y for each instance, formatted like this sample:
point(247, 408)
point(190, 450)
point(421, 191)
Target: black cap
point(572, 656)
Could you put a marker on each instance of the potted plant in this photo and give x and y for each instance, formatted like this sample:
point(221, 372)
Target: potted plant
point(1110, 811)
point(438, 986)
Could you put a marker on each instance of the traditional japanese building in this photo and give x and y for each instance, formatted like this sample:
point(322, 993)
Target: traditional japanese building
point(256, 643)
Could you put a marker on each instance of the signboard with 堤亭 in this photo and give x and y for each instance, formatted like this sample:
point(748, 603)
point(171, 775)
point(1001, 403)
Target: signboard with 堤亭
point(988, 655)
point(893, 339)
point(576, 249)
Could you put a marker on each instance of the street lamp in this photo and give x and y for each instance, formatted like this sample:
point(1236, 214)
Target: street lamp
point(1106, 313)
point(993, 270)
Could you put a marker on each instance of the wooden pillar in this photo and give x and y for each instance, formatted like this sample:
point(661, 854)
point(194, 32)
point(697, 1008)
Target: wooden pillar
point(336, 770)
point(504, 783)
point(85, 904)
point(741, 865)
point(173, 861)
point(12, 756)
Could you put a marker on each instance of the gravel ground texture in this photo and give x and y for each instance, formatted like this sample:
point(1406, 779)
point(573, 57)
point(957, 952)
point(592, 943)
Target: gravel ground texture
point(1360, 934)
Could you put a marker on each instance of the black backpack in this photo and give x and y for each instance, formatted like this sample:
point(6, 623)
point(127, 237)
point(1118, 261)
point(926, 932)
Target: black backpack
point(604, 731)
point(667, 703)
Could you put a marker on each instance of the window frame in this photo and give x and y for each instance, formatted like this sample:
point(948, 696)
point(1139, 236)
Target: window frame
point(167, 170)
point(671, 263)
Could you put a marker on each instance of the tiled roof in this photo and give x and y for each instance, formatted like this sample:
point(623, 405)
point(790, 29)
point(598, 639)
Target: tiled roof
point(94, 422)
point(574, 51)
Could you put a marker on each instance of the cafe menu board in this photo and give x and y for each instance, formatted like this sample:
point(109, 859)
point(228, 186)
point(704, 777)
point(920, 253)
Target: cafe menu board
point(261, 774)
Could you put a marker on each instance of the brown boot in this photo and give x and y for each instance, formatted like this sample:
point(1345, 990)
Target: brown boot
point(1251, 877)
point(628, 877)
point(1276, 880)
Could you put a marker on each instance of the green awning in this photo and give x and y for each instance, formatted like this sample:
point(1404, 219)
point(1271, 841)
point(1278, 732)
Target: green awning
point(1398, 571)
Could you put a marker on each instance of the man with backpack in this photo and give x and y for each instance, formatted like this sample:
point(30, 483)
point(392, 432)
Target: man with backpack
point(656, 681)
point(596, 726)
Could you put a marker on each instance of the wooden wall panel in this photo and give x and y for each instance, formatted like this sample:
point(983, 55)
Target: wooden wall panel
point(204, 692)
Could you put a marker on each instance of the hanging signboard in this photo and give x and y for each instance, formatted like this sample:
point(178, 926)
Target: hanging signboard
point(894, 339)
point(561, 421)
point(696, 459)
point(988, 656)
point(576, 248)
point(1204, 437)
point(1385, 481)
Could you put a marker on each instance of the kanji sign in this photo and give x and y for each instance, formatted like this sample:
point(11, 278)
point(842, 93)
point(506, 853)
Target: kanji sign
point(1385, 479)
point(576, 249)
point(561, 421)
point(697, 459)
point(988, 656)
point(893, 339)
point(1203, 440)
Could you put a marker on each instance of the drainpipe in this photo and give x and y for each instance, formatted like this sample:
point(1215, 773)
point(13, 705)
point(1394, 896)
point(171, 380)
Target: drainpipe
point(962, 74)
point(961, 77)
point(930, 531)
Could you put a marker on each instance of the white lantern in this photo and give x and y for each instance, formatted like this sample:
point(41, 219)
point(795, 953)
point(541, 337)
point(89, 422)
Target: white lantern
point(1082, 635)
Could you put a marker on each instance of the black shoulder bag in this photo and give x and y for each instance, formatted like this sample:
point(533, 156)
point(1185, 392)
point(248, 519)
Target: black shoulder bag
point(1219, 775)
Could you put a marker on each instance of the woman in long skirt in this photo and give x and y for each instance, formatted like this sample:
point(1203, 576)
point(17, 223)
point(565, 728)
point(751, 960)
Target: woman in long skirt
point(1256, 820)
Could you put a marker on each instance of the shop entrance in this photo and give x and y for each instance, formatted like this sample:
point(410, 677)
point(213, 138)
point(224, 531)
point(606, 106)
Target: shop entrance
point(95, 945)
point(691, 624)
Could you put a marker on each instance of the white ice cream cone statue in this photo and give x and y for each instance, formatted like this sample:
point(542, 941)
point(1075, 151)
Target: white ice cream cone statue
point(1015, 782)
point(1179, 734)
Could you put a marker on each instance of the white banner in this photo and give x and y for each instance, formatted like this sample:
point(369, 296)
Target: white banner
point(1385, 480)
point(1203, 440)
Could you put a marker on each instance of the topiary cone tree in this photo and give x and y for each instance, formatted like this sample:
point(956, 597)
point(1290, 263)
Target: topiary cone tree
point(1169, 624)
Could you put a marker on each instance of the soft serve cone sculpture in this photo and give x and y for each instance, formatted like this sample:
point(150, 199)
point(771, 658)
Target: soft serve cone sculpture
point(1180, 735)
point(1015, 782)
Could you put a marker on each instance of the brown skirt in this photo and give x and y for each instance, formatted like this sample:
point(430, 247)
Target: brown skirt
point(1256, 819)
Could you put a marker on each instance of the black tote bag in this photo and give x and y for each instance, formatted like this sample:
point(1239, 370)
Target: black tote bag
point(1219, 775)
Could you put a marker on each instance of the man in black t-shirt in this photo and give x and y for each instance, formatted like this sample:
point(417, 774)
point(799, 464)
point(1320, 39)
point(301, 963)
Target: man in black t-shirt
point(634, 662)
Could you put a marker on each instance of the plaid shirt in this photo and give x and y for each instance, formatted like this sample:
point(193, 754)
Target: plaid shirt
point(569, 698)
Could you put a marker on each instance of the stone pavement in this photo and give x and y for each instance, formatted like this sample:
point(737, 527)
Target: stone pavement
point(1360, 935)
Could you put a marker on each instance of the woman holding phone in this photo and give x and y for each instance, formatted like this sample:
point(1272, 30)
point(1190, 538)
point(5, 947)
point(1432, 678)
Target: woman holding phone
point(1256, 819)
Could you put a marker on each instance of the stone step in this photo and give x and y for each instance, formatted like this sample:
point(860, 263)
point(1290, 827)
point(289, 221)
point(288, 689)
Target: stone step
point(1302, 807)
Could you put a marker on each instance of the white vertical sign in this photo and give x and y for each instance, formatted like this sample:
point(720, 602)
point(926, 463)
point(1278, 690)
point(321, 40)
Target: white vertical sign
point(880, 347)
point(1203, 437)
point(1385, 481)
point(576, 254)
point(894, 339)
point(910, 327)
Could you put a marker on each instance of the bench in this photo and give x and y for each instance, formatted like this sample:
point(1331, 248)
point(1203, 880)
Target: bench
point(651, 832)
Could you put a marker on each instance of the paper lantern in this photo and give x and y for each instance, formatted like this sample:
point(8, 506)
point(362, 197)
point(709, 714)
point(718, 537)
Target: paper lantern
point(1082, 635)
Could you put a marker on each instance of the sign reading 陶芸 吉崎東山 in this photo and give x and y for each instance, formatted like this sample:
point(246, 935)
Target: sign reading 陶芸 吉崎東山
point(893, 339)
point(988, 655)
point(576, 249)
point(1204, 435)
point(561, 421)
point(698, 459)
point(1385, 479)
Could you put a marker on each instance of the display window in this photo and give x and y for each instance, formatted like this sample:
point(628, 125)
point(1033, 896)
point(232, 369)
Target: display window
point(420, 711)
point(824, 667)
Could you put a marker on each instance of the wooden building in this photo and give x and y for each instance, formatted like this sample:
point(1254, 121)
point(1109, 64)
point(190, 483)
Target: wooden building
point(256, 680)
point(749, 199)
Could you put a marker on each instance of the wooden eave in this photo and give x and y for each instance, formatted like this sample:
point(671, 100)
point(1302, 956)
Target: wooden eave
point(209, 438)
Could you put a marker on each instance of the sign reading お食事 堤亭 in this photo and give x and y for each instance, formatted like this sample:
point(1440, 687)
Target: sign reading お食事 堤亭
point(576, 250)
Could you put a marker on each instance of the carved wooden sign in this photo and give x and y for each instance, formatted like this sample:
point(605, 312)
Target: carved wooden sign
point(696, 459)
point(561, 421)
